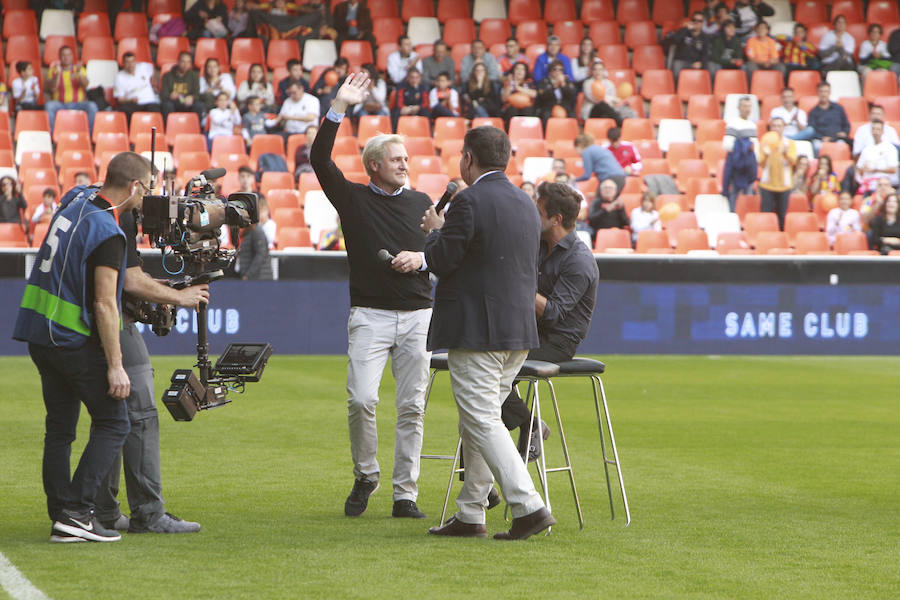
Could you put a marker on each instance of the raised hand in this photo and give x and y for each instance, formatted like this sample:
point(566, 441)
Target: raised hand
point(354, 90)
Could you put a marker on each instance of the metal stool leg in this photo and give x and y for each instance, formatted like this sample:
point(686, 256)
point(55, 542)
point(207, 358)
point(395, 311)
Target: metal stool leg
point(598, 383)
point(565, 449)
point(453, 471)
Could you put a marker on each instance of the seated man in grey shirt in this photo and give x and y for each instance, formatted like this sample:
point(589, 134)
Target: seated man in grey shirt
point(567, 288)
point(437, 63)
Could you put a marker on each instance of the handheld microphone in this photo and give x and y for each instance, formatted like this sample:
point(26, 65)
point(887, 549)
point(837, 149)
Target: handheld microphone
point(385, 256)
point(448, 193)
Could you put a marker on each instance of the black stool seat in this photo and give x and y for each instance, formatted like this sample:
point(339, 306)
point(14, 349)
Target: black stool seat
point(581, 366)
point(439, 361)
point(538, 368)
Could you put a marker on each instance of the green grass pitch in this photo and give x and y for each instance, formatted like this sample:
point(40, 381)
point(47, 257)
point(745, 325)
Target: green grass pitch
point(747, 478)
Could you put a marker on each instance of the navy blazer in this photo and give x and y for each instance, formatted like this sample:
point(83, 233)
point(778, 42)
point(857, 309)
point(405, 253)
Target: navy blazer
point(486, 256)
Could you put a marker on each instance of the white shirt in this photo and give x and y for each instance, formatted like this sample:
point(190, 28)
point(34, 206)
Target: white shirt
point(880, 157)
point(841, 221)
point(223, 121)
point(863, 137)
point(867, 49)
point(830, 39)
point(307, 105)
point(136, 87)
point(270, 228)
point(226, 84)
point(642, 221)
point(30, 87)
point(433, 99)
point(794, 119)
point(397, 66)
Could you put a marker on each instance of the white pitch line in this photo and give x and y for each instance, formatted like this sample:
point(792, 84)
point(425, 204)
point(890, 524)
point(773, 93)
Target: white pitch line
point(16, 584)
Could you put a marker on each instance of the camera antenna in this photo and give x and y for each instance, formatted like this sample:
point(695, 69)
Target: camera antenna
point(153, 156)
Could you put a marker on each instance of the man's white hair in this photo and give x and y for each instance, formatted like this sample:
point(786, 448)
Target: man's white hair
point(374, 149)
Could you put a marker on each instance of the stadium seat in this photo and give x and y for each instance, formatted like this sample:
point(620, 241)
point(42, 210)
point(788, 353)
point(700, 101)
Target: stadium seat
point(280, 52)
point(423, 146)
point(667, 12)
point(12, 236)
point(836, 150)
point(629, 11)
point(31, 120)
point(458, 31)
point(358, 53)
point(524, 10)
point(383, 8)
point(702, 108)
point(766, 83)
point(804, 82)
point(414, 126)
point(70, 120)
point(232, 144)
point(492, 121)
point(665, 106)
point(756, 222)
point(35, 160)
point(318, 52)
point(45, 177)
point(593, 11)
point(727, 241)
point(287, 216)
point(811, 11)
point(93, 25)
point(648, 240)
point(697, 186)
point(155, 7)
point(614, 56)
point(23, 47)
point(180, 124)
point(294, 237)
point(693, 82)
point(188, 142)
point(708, 206)
point(98, 48)
point(613, 239)
point(645, 58)
point(850, 241)
point(710, 130)
point(19, 22)
point(656, 82)
point(131, 25)
point(690, 240)
point(207, 48)
point(57, 22)
point(795, 222)
point(730, 81)
point(288, 198)
point(140, 47)
point(568, 32)
point(263, 144)
point(111, 122)
point(879, 83)
point(857, 108)
point(529, 33)
point(494, 31)
point(416, 8)
point(850, 9)
point(882, 11)
point(53, 44)
point(674, 130)
point(560, 129)
point(143, 122)
point(524, 128)
point(423, 30)
point(604, 33)
point(655, 166)
point(422, 164)
point(746, 204)
point(688, 168)
point(843, 84)
point(76, 158)
point(448, 128)
point(106, 142)
point(637, 129)
point(770, 242)
point(249, 51)
point(811, 242)
point(640, 33)
point(891, 106)
point(433, 184)
point(372, 125)
point(598, 128)
point(273, 180)
point(452, 9)
point(169, 48)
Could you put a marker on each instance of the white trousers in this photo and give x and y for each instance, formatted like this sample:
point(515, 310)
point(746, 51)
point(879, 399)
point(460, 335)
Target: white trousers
point(374, 334)
point(481, 382)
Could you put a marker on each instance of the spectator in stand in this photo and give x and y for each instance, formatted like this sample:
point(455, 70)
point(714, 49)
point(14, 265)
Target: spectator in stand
point(518, 86)
point(777, 156)
point(645, 217)
point(863, 136)
point(239, 20)
point(223, 118)
point(82, 178)
point(740, 143)
point(747, 13)
point(66, 84)
point(256, 85)
point(353, 21)
point(715, 15)
point(799, 54)
point(253, 253)
point(324, 92)
point(297, 112)
point(12, 204)
point(837, 47)
point(556, 90)
point(479, 55)
point(376, 103)
point(267, 224)
point(411, 98)
point(513, 55)
point(439, 62)
point(625, 152)
point(180, 88)
point(843, 218)
point(824, 180)
point(247, 180)
point(443, 100)
point(801, 169)
point(26, 89)
point(609, 105)
point(214, 82)
point(608, 209)
point(873, 52)
point(873, 204)
point(599, 161)
point(796, 126)
point(581, 66)
point(480, 97)
point(828, 119)
point(301, 154)
point(206, 18)
point(726, 49)
point(762, 53)
point(295, 75)
point(401, 60)
point(529, 189)
point(44, 212)
point(885, 228)
point(253, 122)
point(542, 64)
point(877, 160)
point(692, 47)
point(894, 50)
point(133, 87)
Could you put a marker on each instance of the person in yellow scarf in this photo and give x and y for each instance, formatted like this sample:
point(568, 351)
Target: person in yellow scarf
point(777, 156)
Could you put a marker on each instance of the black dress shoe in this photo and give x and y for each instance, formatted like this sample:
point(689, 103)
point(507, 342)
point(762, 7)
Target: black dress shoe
point(493, 498)
point(358, 499)
point(456, 528)
point(534, 451)
point(408, 509)
point(526, 526)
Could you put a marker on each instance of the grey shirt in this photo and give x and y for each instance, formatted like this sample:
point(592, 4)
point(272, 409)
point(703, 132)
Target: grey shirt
point(567, 277)
point(431, 69)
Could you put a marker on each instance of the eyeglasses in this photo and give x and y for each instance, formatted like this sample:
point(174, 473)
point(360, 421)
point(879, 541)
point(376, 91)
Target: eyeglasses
point(144, 185)
point(697, 21)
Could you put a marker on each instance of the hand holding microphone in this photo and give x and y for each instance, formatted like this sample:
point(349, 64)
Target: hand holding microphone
point(405, 261)
point(433, 219)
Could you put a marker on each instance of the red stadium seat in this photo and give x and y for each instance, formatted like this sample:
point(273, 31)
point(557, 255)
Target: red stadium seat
point(416, 8)
point(522, 128)
point(848, 242)
point(882, 11)
point(804, 82)
point(614, 56)
point(645, 58)
point(143, 122)
point(23, 47)
point(524, 10)
point(182, 123)
point(19, 22)
point(35, 160)
point(452, 9)
point(531, 32)
point(665, 106)
point(155, 7)
point(414, 126)
point(637, 129)
point(766, 83)
point(640, 33)
point(756, 222)
point(811, 11)
point(655, 166)
point(811, 242)
point(265, 143)
point(729, 81)
point(448, 128)
point(850, 9)
point(170, 47)
point(703, 107)
point(106, 142)
point(693, 82)
point(131, 25)
point(710, 130)
point(604, 32)
point(292, 216)
point(458, 31)
point(31, 120)
point(494, 31)
point(593, 11)
point(422, 164)
point(629, 11)
point(657, 81)
point(70, 120)
point(93, 25)
point(664, 12)
point(383, 8)
point(569, 32)
point(273, 180)
point(98, 48)
point(110, 122)
point(207, 48)
point(795, 222)
point(879, 83)
point(54, 43)
point(560, 129)
point(357, 52)
point(857, 108)
point(140, 47)
point(281, 51)
point(598, 128)
point(679, 151)
point(372, 125)
point(288, 198)
point(248, 51)
point(770, 241)
point(612, 239)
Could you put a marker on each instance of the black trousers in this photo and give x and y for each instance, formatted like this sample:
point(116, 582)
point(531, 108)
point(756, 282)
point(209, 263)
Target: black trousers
point(514, 412)
point(70, 377)
point(776, 202)
point(170, 106)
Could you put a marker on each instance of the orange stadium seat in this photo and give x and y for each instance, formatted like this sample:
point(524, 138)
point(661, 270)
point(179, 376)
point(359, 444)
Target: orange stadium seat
point(835, 150)
point(795, 222)
point(433, 184)
point(770, 241)
point(693, 82)
point(249, 51)
point(688, 168)
point(598, 128)
point(414, 126)
point(492, 121)
point(448, 128)
point(452, 9)
point(7, 158)
point(140, 47)
point(289, 198)
point(655, 166)
point(604, 32)
point(648, 240)
point(383, 8)
point(679, 151)
point(804, 82)
point(422, 164)
point(529, 33)
point(648, 148)
point(523, 10)
point(640, 33)
point(31, 120)
point(155, 7)
point(664, 12)
point(766, 83)
point(23, 47)
point(891, 106)
point(45, 177)
point(637, 129)
point(12, 235)
point(372, 125)
point(19, 22)
point(265, 143)
point(644, 58)
point(560, 10)
point(288, 216)
point(294, 237)
point(732, 240)
point(525, 128)
point(614, 56)
point(746, 204)
point(857, 108)
point(106, 142)
point(232, 144)
point(54, 43)
point(207, 48)
point(273, 180)
point(568, 32)
point(879, 83)
point(561, 129)
point(281, 51)
point(357, 52)
point(657, 81)
point(593, 11)
point(35, 160)
point(665, 106)
point(811, 11)
point(703, 107)
point(142, 124)
point(729, 81)
point(458, 31)
point(110, 122)
point(756, 222)
point(612, 239)
point(629, 11)
point(181, 123)
point(851, 241)
point(850, 9)
point(169, 48)
point(416, 8)
point(700, 185)
point(76, 158)
point(415, 145)
point(882, 11)
point(811, 242)
point(710, 130)
point(131, 25)
point(70, 120)
point(98, 48)
point(494, 31)
point(691, 239)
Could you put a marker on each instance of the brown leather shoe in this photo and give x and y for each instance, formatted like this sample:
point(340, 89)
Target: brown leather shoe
point(456, 528)
point(526, 526)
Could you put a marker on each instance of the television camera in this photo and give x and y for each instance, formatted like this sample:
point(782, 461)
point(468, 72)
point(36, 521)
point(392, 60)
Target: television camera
point(187, 227)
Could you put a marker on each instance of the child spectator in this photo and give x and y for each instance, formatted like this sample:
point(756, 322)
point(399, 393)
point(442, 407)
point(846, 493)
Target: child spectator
point(645, 217)
point(329, 83)
point(253, 123)
point(443, 100)
point(44, 212)
point(295, 75)
point(873, 52)
point(26, 90)
point(824, 180)
point(798, 181)
point(798, 54)
point(83, 178)
point(762, 53)
point(223, 118)
point(256, 85)
point(625, 152)
point(843, 218)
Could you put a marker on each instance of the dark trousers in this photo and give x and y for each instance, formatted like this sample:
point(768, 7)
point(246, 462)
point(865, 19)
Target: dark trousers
point(602, 110)
point(776, 202)
point(514, 412)
point(170, 106)
point(70, 377)
point(140, 454)
point(129, 108)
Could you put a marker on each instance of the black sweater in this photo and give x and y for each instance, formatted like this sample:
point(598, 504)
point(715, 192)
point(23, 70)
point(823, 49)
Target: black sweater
point(370, 222)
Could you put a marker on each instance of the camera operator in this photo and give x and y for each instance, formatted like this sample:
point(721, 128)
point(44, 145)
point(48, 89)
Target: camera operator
point(390, 311)
point(140, 452)
point(69, 317)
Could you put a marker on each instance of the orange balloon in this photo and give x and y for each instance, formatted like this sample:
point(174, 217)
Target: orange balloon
point(519, 100)
point(559, 112)
point(598, 90)
point(626, 90)
point(669, 211)
point(331, 78)
point(770, 139)
point(829, 201)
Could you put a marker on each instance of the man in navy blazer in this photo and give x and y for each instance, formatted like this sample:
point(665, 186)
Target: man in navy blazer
point(485, 256)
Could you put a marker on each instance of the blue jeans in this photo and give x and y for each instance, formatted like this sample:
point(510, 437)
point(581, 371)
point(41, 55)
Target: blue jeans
point(807, 133)
point(53, 106)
